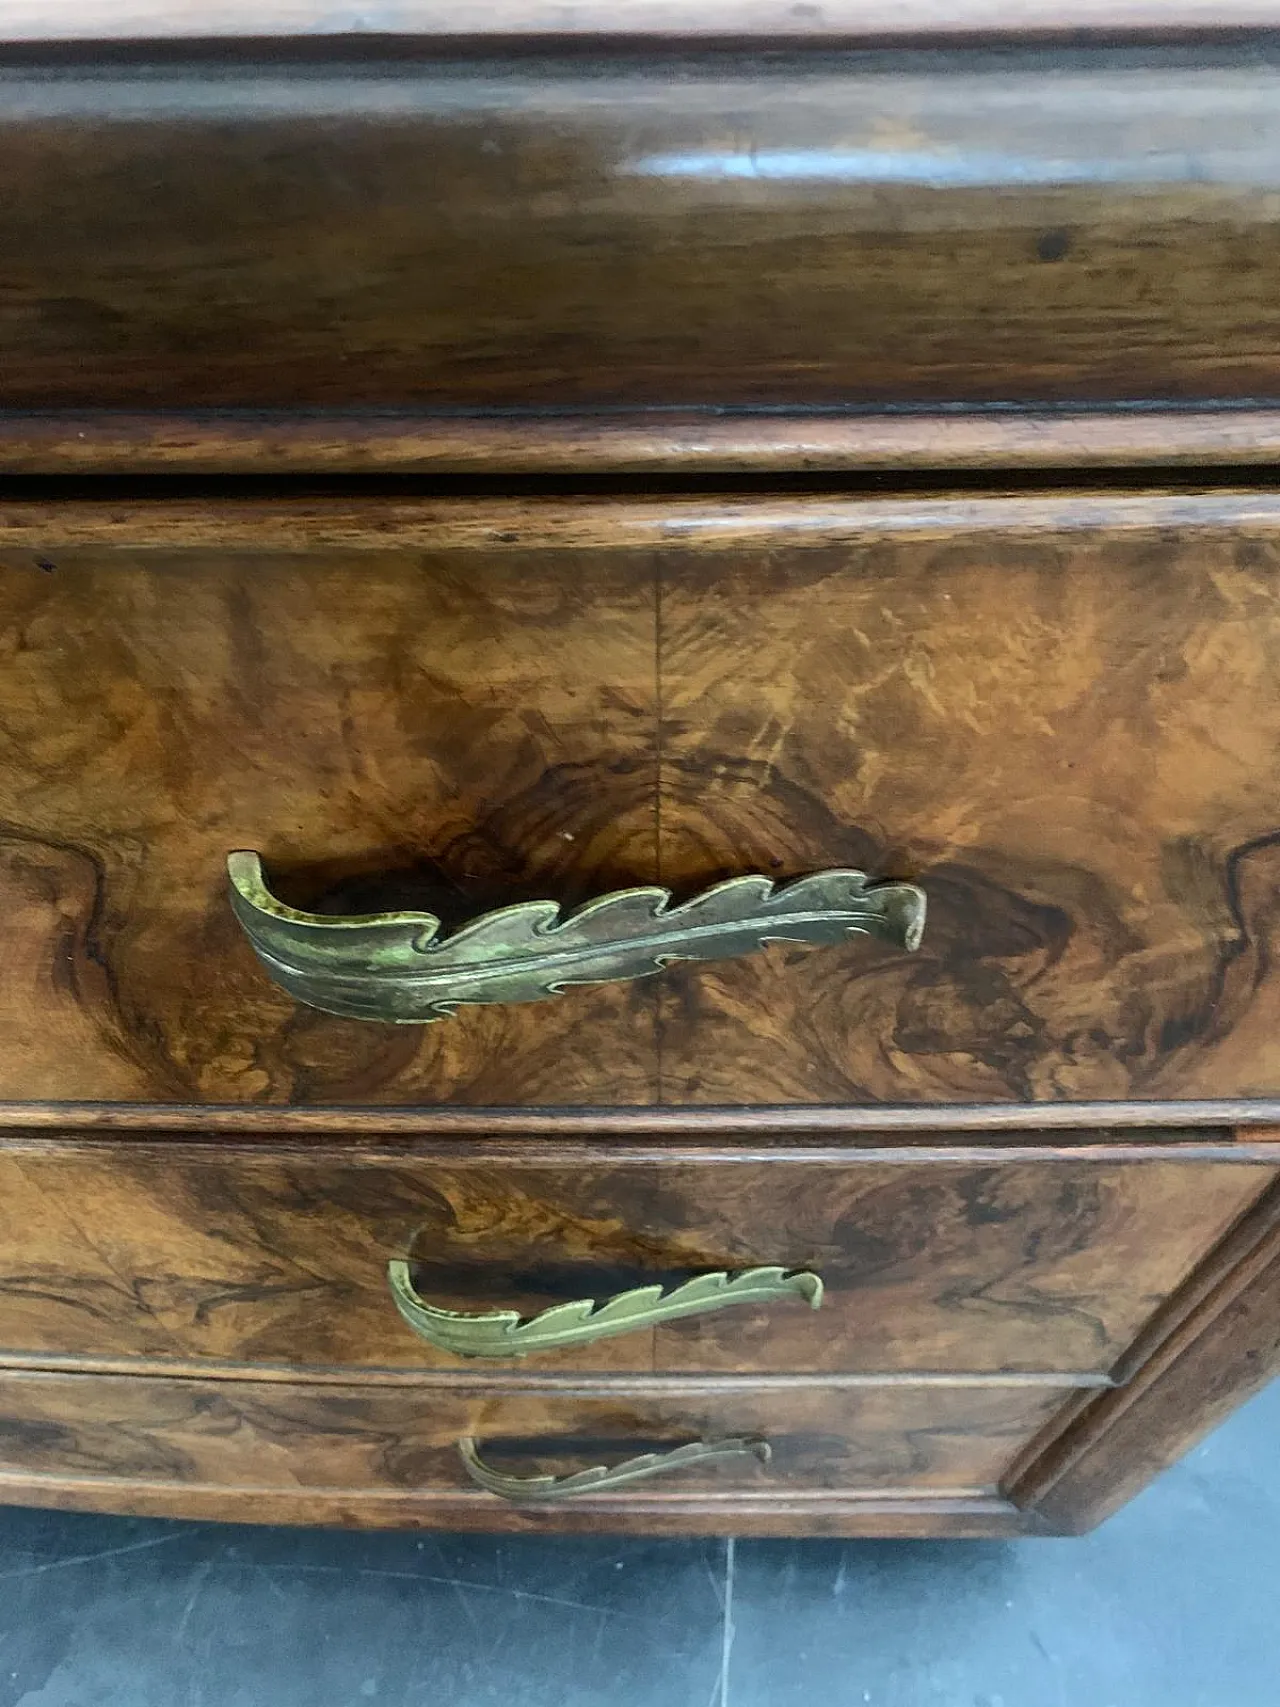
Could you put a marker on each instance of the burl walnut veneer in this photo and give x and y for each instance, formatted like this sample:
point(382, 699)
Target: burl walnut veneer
point(639, 760)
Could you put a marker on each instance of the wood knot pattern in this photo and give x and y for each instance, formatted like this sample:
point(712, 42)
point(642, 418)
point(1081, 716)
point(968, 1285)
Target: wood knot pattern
point(1055, 716)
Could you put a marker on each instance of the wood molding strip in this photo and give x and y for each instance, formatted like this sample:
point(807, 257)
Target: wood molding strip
point(677, 441)
point(788, 1119)
point(89, 20)
point(542, 1154)
point(702, 524)
point(822, 1513)
point(523, 1381)
point(1179, 1122)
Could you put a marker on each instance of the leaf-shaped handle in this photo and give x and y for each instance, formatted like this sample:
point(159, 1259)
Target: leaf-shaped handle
point(394, 967)
point(601, 1477)
point(505, 1333)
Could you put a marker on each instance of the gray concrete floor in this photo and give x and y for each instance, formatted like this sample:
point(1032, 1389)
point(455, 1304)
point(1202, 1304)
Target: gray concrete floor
point(1171, 1604)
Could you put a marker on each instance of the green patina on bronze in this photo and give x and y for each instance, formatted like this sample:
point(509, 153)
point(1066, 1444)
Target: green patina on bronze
point(600, 1478)
point(395, 967)
point(505, 1333)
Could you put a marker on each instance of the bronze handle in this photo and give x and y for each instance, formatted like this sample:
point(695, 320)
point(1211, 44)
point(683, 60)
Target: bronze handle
point(505, 1333)
point(601, 1478)
point(394, 967)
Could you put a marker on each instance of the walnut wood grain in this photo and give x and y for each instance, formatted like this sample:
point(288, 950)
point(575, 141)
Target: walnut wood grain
point(1055, 711)
point(289, 1442)
point(981, 1132)
point(668, 441)
point(163, 1251)
point(363, 522)
point(585, 1138)
point(158, 20)
point(1065, 736)
point(387, 727)
point(788, 230)
point(1221, 1346)
point(959, 1517)
point(158, 1446)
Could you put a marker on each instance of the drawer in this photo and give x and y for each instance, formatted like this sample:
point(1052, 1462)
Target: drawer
point(1045, 1266)
point(643, 227)
point(445, 728)
point(1054, 714)
point(272, 1451)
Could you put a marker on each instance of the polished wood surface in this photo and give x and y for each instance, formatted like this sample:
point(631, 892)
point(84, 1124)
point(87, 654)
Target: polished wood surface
point(1055, 712)
point(93, 20)
point(979, 1132)
point(494, 232)
point(398, 1447)
point(368, 518)
point(472, 737)
point(1210, 1357)
point(677, 442)
point(164, 1251)
point(762, 302)
point(1068, 737)
point(880, 1459)
point(921, 1516)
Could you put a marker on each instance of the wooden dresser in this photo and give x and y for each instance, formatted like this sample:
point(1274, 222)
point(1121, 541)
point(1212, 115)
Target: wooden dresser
point(639, 759)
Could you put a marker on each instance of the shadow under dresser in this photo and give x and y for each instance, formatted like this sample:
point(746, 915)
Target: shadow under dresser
point(639, 759)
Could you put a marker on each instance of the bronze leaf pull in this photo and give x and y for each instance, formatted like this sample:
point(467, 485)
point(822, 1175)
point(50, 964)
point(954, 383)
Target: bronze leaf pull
point(395, 966)
point(602, 1478)
point(505, 1333)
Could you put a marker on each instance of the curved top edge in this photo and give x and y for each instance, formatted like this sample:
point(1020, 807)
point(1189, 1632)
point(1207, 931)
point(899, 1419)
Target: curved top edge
point(170, 20)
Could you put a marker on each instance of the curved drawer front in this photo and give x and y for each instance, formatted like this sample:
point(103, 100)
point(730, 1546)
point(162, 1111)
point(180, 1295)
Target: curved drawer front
point(1052, 718)
point(401, 727)
point(164, 1251)
point(265, 1450)
point(1056, 717)
point(761, 229)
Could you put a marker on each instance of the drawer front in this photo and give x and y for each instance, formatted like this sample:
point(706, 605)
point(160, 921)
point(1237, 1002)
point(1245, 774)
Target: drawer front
point(391, 728)
point(1061, 723)
point(402, 1443)
point(1055, 715)
point(164, 1251)
point(784, 229)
